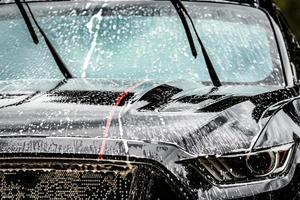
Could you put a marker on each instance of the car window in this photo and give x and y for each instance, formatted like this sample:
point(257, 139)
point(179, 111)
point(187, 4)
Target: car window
point(140, 40)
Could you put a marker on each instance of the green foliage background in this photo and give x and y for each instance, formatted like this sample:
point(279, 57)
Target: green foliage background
point(291, 10)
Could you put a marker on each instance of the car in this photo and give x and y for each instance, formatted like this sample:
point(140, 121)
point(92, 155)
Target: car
point(148, 100)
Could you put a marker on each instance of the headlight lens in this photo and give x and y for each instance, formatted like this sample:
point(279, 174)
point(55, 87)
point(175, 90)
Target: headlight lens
point(246, 167)
point(262, 164)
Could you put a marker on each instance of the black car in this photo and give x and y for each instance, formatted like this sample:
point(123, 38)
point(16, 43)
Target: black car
point(148, 100)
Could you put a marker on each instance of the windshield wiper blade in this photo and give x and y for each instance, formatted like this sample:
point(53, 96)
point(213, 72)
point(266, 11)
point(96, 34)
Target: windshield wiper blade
point(185, 24)
point(61, 65)
point(181, 10)
point(28, 23)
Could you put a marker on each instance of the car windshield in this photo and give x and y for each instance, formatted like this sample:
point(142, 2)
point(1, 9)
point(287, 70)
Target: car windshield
point(140, 40)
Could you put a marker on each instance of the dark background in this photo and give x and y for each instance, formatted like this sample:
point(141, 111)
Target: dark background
point(291, 10)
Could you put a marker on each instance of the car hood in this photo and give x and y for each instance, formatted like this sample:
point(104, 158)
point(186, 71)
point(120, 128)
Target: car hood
point(195, 118)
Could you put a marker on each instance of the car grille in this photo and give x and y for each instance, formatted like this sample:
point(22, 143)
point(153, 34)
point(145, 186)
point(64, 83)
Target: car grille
point(64, 185)
point(64, 178)
point(65, 181)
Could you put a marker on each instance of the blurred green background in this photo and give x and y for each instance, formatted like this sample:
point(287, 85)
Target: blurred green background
point(291, 10)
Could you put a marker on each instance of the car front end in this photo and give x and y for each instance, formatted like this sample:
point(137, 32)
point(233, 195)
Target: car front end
point(113, 105)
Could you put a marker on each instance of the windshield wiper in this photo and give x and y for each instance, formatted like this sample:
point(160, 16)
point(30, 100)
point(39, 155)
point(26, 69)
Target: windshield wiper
point(61, 65)
point(181, 10)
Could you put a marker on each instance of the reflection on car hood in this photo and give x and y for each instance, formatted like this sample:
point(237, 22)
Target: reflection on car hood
point(196, 118)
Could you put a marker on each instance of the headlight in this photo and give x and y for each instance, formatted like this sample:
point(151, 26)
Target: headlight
point(262, 164)
point(246, 167)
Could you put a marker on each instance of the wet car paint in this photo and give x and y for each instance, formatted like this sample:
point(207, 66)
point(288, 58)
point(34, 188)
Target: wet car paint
point(203, 118)
point(155, 123)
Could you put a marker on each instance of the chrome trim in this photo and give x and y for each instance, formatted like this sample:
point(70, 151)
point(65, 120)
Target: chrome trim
point(284, 147)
